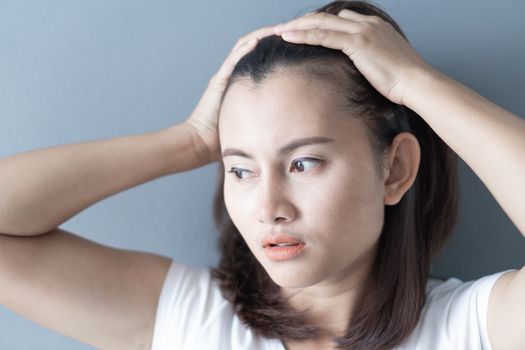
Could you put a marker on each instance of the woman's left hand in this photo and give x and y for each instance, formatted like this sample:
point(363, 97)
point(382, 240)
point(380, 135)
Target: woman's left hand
point(378, 51)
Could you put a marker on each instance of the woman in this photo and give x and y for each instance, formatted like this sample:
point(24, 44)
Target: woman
point(332, 206)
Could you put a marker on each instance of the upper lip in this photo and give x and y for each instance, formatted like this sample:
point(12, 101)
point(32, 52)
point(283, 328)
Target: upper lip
point(279, 239)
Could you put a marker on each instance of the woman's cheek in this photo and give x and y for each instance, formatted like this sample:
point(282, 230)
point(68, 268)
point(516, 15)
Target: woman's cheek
point(238, 205)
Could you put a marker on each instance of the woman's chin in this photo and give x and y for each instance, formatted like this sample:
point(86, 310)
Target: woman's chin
point(291, 278)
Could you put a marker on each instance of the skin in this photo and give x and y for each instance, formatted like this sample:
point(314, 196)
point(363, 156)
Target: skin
point(460, 116)
point(335, 205)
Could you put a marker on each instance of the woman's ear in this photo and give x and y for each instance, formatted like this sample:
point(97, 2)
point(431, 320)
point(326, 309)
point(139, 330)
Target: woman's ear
point(403, 164)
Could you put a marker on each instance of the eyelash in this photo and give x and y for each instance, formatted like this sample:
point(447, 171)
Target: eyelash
point(235, 171)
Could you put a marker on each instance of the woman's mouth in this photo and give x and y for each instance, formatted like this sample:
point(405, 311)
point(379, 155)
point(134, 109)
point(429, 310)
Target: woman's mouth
point(283, 251)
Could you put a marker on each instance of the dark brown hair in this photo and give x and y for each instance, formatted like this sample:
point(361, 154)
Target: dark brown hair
point(414, 229)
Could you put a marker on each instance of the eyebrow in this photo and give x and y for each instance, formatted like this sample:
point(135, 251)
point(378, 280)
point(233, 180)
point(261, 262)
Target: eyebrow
point(283, 150)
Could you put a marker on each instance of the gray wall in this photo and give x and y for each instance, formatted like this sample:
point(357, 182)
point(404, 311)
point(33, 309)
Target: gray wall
point(73, 71)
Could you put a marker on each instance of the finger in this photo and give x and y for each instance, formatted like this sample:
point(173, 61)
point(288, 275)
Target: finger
point(233, 58)
point(322, 37)
point(241, 48)
point(354, 16)
point(321, 20)
point(257, 34)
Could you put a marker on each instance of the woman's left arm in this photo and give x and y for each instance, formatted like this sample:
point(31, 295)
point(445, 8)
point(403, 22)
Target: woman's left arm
point(488, 138)
point(491, 141)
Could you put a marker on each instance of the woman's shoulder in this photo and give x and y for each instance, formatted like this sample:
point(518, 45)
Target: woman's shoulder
point(188, 290)
point(450, 287)
point(192, 314)
point(454, 314)
point(454, 300)
point(187, 299)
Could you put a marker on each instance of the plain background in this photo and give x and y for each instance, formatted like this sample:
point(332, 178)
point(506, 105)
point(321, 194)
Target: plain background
point(73, 71)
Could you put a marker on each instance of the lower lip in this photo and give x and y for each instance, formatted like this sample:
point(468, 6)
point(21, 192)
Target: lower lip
point(283, 253)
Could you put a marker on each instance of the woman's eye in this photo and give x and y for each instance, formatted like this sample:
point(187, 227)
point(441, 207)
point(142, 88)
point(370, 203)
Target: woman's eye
point(305, 164)
point(299, 165)
point(238, 172)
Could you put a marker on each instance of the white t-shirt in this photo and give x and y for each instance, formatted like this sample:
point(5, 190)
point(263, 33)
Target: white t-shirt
point(192, 314)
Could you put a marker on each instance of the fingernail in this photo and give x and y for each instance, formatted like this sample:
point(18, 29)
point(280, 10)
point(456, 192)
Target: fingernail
point(245, 43)
point(290, 34)
point(250, 42)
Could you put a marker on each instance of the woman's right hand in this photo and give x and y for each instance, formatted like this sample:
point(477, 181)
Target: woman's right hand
point(204, 119)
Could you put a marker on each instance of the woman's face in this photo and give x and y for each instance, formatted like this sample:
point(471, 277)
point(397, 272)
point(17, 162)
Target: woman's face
point(326, 194)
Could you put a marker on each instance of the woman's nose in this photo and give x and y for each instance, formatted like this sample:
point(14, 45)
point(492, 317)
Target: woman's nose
point(274, 205)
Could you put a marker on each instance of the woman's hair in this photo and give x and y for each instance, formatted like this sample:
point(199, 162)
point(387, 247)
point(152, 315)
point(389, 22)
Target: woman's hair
point(414, 229)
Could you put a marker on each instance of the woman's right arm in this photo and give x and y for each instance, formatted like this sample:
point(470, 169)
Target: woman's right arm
point(41, 189)
point(97, 294)
point(102, 296)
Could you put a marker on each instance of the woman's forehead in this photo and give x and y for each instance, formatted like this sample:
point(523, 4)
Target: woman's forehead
point(288, 99)
point(273, 115)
